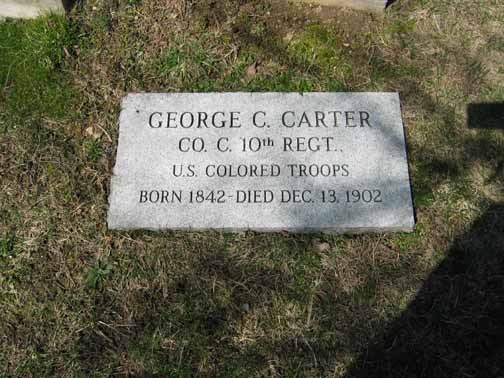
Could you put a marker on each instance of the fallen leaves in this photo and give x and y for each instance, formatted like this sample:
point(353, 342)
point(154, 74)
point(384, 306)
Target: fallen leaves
point(321, 246)
point(93, 132)
point(250, 72)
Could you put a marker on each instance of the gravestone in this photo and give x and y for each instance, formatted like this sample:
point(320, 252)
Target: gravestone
point(29, 8)
point(263, 161)
point(371, 5)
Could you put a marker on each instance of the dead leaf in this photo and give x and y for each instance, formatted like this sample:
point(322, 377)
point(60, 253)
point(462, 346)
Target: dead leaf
point(252, 69)
point(288, 37)
point(322, 246)
point(89, 131)
point(93, 133)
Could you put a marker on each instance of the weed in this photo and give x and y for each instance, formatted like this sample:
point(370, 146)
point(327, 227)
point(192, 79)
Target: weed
point(97, 274)
point(94, 150)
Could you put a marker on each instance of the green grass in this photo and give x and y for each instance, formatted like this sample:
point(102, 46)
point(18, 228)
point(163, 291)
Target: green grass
point(30, 55)
point(79, 300)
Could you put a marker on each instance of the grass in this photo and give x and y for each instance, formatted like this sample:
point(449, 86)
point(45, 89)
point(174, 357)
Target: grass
point(30, 55)
point(79, 300)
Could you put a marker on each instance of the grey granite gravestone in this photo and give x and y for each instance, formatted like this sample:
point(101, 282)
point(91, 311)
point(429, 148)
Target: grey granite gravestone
point(370, 5)
point(29, 8)
point(263, 161)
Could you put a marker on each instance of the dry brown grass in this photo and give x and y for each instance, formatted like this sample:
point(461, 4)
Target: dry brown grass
point(79, 300)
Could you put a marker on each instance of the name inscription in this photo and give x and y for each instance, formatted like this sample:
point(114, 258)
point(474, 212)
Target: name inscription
point(289, 119)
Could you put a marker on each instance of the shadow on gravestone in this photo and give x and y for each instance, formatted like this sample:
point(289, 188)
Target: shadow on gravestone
point(486, 116)
point(455, 325)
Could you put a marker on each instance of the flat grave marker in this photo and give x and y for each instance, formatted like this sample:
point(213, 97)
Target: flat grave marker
point(29, 8)
point(263, 161)
point(369, 5)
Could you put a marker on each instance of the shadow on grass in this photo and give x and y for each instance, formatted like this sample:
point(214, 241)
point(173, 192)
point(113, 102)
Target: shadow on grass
point(190, 319)
point(486, 116)
point(467, 150)
point(70, 4)
point(455, 325)
point(389, 3)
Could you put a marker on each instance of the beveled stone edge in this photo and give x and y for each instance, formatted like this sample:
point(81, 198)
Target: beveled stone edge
point(330, 230)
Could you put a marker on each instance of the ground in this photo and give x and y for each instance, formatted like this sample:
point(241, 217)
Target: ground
point(79, 300)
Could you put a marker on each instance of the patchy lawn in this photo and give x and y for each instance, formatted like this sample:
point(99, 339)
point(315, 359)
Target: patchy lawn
point(79, 300)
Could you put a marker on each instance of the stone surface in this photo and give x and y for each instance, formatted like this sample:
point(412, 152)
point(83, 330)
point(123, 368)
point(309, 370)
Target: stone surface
point(264, 161)
point(372, 5)
point(29, 8)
